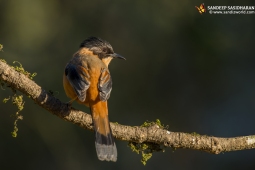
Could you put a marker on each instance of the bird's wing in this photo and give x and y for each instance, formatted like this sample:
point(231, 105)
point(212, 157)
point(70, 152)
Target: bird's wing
point(105, 85)
point(78, 77)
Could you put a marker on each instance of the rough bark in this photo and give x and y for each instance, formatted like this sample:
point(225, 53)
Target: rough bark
point(153, 133)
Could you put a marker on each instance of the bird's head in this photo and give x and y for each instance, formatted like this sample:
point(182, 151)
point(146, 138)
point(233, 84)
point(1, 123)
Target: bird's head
point(101, 48)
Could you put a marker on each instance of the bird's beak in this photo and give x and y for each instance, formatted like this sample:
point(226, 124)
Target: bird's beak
point(115, 55)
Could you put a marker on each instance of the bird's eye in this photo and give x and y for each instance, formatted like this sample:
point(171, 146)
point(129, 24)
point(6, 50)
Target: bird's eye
point(105, 50)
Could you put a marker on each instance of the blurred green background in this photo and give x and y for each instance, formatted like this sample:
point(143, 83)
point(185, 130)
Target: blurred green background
point(193, 72)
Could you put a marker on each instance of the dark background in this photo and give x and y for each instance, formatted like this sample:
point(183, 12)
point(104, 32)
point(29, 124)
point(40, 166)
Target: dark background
point(193, 72)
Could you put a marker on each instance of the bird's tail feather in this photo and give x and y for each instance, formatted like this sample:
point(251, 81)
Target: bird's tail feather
point(105, 145)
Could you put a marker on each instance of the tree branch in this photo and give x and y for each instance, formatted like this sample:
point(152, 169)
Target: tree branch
point(153, 133)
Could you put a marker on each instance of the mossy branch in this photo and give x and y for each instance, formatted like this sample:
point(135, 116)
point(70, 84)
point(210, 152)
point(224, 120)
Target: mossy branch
point(142, 137)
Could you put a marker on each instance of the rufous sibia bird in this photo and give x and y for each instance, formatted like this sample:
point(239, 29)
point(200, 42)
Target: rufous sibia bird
point(88, 81)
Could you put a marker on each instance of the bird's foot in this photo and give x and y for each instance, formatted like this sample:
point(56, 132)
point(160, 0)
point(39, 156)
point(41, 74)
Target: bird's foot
point(69, 103)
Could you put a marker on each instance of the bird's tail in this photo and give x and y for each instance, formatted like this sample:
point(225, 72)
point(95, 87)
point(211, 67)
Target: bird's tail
point(105, 145)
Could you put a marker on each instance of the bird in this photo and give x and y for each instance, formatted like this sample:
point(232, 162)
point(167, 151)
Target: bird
point(87, 80)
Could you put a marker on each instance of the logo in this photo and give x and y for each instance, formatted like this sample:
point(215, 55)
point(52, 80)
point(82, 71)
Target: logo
point(201, 9)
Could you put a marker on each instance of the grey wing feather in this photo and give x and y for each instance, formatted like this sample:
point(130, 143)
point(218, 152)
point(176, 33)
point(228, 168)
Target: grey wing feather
point(78, 82)
point(105, 85)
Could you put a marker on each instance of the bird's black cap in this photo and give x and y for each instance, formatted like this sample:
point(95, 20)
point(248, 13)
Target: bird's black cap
point(99, 47)
point(97, 42)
